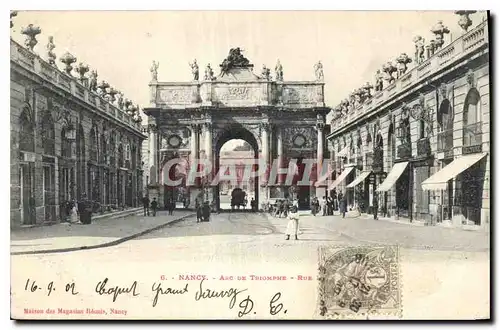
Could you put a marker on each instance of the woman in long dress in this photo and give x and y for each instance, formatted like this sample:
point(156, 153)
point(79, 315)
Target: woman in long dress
point(74, 213)
point(293, 224)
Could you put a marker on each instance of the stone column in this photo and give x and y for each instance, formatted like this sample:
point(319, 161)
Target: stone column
point(264, 160)
point(153, 156)
point(279, 154)
point(209, 155)
point(320, 191)
point(194, 190)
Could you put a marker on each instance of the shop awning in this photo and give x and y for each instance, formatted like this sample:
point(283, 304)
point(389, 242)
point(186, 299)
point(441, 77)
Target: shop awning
point(359, 179)
point(393, 176)
point(439, 180)
point(343, 152)
point(341, 177)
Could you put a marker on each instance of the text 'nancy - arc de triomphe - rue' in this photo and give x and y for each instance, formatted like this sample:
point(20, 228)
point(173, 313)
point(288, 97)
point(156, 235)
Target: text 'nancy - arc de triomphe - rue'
point(280, 119)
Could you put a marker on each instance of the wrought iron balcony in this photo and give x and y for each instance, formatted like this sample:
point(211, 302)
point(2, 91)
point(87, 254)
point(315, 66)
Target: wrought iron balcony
point(404, 151)
point(445, 141)
point(423, 147)
point(472, 138)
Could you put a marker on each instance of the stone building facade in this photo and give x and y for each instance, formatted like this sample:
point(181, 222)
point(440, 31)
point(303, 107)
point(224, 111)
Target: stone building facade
point(71, 138)
point(420, 144)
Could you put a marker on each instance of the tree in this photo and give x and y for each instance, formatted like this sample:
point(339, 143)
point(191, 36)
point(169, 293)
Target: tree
point(243, 147)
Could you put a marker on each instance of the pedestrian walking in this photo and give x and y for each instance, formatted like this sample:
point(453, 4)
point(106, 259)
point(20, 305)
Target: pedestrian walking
point(292, 227)
point(145, 204)
point(323, 206)
point(199, 213)
point(171, 207)
point(343, 204)
point(154, 206)
point(253, 204)
point(74, 213)
point(329, 206)
point(375, 206)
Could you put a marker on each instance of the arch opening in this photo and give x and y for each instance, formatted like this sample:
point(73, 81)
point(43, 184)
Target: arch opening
point(235, 152)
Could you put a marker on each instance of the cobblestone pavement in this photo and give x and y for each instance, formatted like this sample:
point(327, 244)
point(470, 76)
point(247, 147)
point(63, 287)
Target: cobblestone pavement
point(254, 244)
point(67, 236)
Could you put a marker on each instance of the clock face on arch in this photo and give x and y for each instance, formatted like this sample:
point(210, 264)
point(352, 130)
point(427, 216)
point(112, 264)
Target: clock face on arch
point(299, 140)
point(174, 141)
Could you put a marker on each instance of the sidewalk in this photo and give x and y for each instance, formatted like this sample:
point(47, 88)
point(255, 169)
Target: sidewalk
point(101, 233)
point(370, 231)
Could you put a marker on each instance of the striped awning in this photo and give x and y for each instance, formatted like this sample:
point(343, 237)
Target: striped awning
point(393, 176)
point(341, 177)
point(362, 177)
point(439, 181)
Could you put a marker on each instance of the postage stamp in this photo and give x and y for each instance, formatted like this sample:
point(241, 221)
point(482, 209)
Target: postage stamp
point(359, 282)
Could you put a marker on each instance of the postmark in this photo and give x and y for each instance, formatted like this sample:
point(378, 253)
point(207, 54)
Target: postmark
point(359, 282)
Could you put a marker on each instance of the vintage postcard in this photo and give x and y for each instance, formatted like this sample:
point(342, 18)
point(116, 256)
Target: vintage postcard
point(250, 165)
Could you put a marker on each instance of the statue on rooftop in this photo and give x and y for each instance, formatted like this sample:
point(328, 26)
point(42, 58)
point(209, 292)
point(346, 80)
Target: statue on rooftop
point(279, 71)
point(209, 73)
point(93, 81)
point(266, 72)
point(120, 100)
point(195, 70)
point(154, 70)
point(235, 59)
point(51, 57)
point(318, 70)
point(419, 49)
point(379, 81)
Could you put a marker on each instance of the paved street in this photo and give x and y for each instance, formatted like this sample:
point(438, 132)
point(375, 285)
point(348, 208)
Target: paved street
point(236, 243)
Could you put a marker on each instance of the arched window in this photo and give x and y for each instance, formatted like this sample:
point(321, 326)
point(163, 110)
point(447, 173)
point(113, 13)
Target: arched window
point(104, 151)
point(472, 119)
point(134, 158)
point(26, 131)
point(120, 155)
point(93, 145)
point(48, 134)
point(65, 144)
point(472, 108)
point(391, 141)
point(445, 116)
point(112, 150)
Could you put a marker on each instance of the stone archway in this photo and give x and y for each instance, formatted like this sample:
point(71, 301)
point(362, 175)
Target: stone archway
point(193, 118)
point(226, 134)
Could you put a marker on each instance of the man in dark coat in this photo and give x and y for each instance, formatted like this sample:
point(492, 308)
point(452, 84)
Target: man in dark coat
point(199, 213)
point(85, 210)
point(342, 204)
point(145, 204)
point(154, 206)
point(253, 205)
point(206, 211)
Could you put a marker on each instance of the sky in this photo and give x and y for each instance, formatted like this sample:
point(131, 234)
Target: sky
point(121, 45)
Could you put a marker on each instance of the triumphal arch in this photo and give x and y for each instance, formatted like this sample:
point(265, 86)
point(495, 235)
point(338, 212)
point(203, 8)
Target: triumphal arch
point(280, 119)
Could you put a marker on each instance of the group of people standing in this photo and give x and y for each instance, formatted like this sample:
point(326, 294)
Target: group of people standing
point(153, 205)
point(282, 207)
point(330, 204)
point(80, 211)
point(203, 211)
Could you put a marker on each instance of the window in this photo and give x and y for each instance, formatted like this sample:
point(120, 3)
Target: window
point(472, 132)
point(66, 147)
point(120, 155)
point(104, 151)
point(93, 145)
point(26, 132)
point(421, 129)
point(112, 151)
